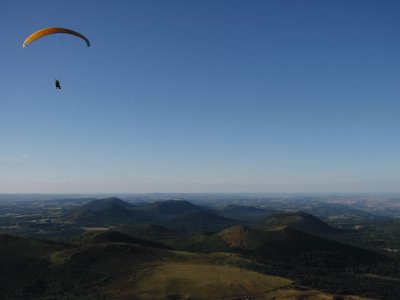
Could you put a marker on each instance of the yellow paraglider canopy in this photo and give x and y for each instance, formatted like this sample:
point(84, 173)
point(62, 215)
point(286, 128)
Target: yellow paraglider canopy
point(52, 30)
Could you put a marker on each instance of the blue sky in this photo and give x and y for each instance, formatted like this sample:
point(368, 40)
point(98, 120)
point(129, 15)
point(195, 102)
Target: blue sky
point(201, 96)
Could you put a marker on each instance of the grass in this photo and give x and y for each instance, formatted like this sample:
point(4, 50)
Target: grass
point(172, 280)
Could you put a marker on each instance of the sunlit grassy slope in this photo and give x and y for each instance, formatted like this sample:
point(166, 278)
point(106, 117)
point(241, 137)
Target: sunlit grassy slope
point(200, 281)
point(215, 276)
point(177, 280)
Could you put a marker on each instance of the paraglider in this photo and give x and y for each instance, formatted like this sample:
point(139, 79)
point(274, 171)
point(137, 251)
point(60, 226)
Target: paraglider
point(52, 30)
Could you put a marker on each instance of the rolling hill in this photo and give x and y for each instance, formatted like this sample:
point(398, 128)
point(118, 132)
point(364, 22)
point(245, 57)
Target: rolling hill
point(300, 221)
point(309, 259)
point(245, 213)
point(106, 203)
point(172, 208)
point(199, 221)
point(284, 244)
point(111, 236)
point(106, 212)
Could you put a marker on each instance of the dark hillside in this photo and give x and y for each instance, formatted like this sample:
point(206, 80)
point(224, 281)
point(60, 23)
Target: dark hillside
point(248, 214)
point(111, 236)
point(109, 211)
point(172, 208)
point(32, 269)
point(106, 203)
point(11, 245)
point(285, 244)
point(199, 221)
point(149, 231)
point(22, 261)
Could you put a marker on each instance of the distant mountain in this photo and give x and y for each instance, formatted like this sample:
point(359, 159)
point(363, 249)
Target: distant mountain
point(337, 210)
point(173, 214)
point(171, 208)
point(199, 221)
point(107, 203)
point(109, 211)
point(111, 236)
point(298, 220)
point(245, 208)
point(245, 213)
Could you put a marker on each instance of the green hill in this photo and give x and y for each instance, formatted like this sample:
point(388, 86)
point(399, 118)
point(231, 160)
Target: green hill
point(298, 220)
point(245, 213)
point(107, 203)
point(284, 244)
point(199, 221)
point(105, 212)
point(172, 208)
point(309, 259)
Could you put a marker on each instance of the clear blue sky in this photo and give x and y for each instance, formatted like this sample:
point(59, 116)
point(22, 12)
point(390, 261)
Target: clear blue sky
point(201, 96)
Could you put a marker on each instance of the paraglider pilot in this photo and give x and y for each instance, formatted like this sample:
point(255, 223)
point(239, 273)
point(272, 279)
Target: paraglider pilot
point(57, 83)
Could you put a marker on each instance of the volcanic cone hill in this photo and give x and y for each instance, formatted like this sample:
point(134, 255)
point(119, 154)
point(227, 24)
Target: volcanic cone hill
point(300, 221)
point(245, 213)
point(309, 259)
point(172, 208)
point(282, 244)
point(149, 231)
point(199, 221)
point(109, 211)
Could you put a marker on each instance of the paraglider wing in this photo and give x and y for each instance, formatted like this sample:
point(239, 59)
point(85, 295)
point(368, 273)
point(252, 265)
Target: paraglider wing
point(52, 30)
